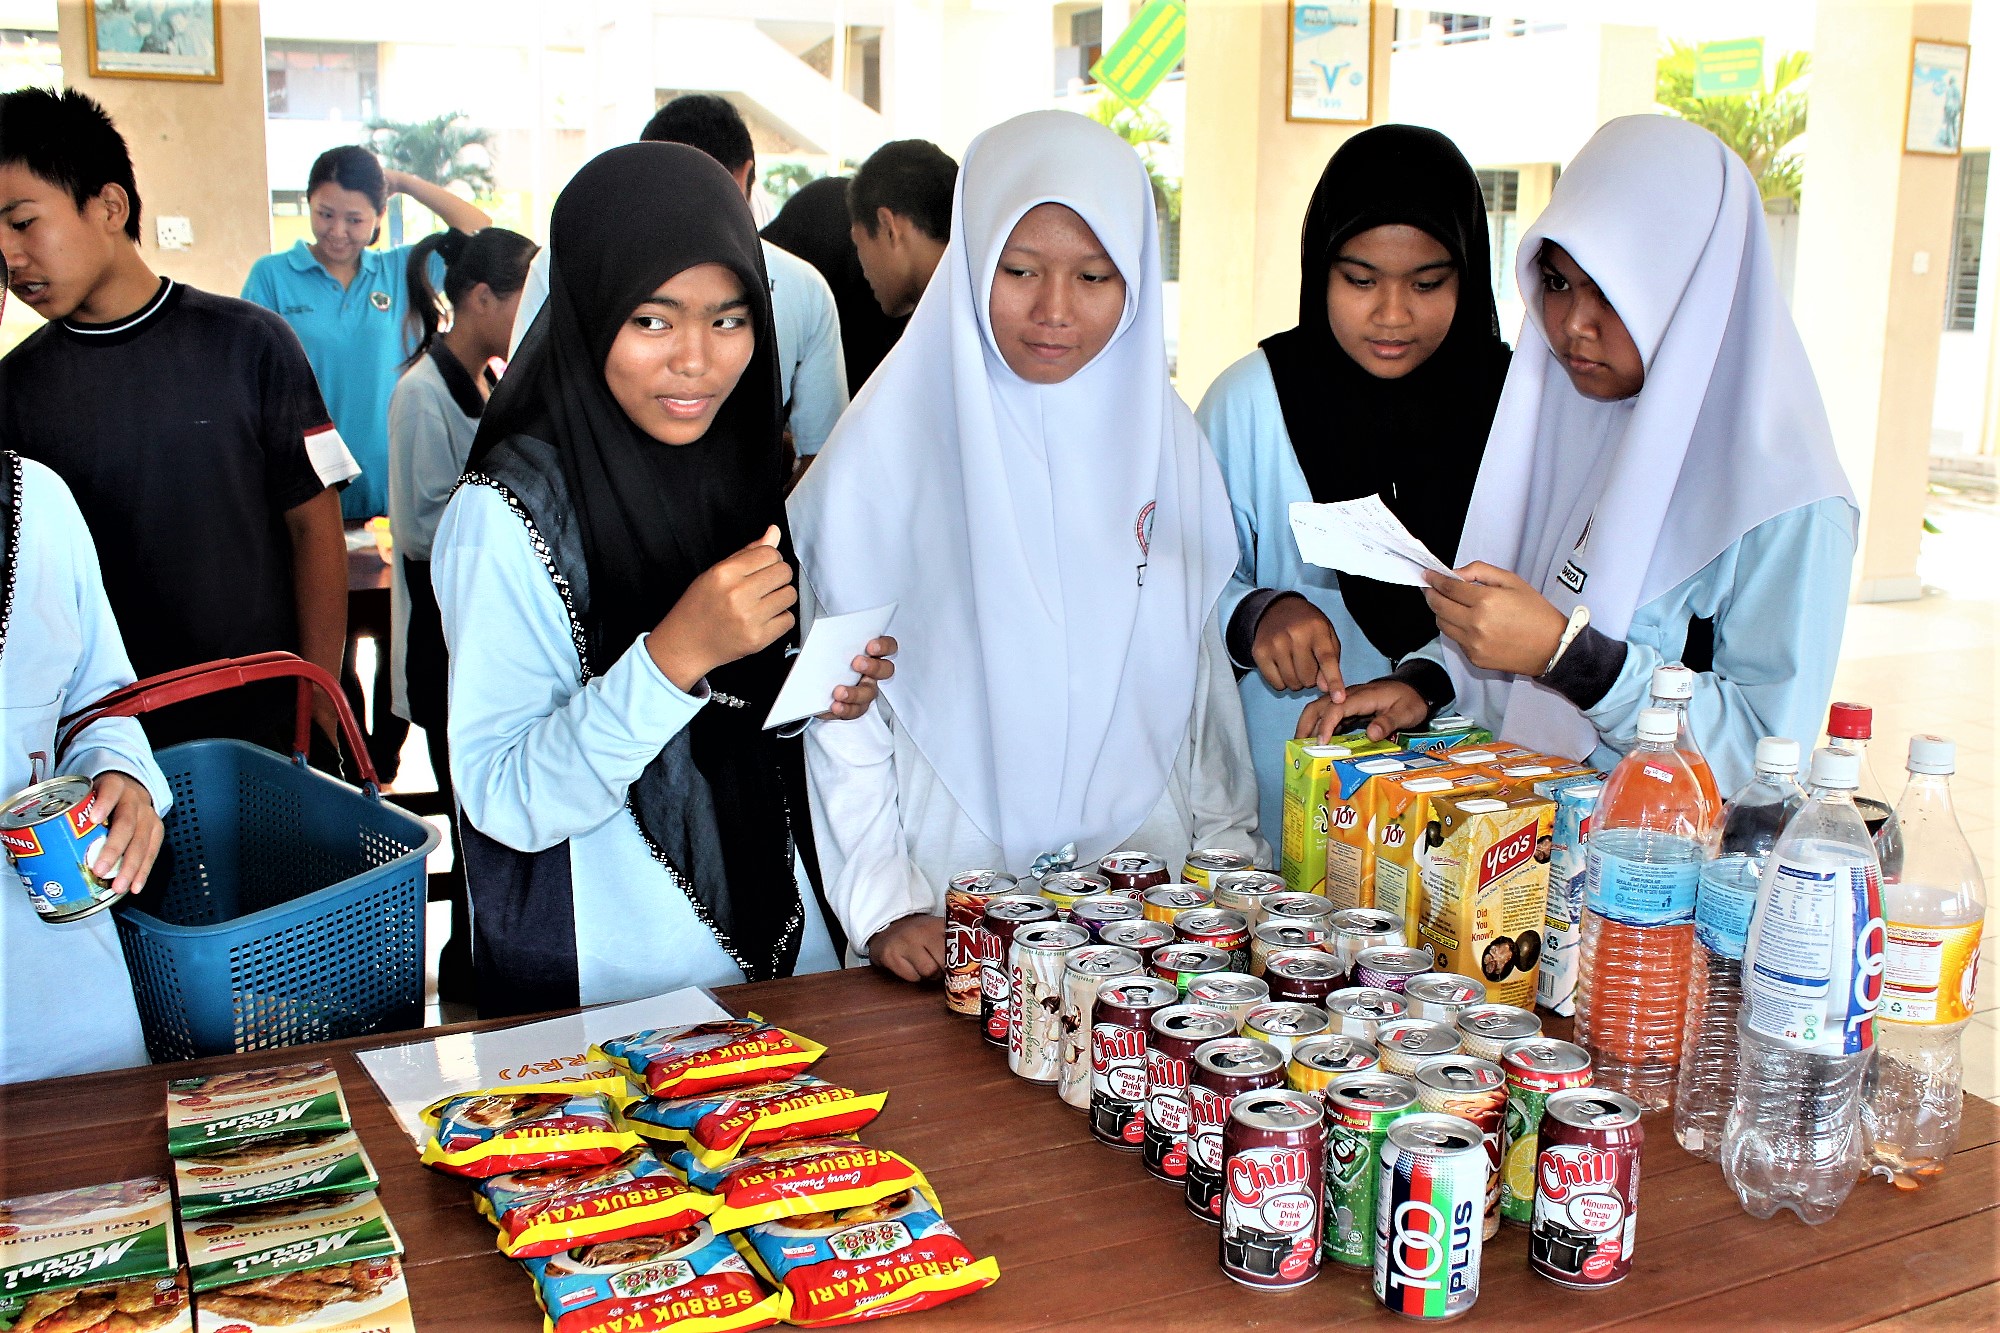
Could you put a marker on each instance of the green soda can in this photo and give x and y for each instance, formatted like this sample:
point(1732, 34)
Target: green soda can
point(1537, 1068)
point(1360, 1107)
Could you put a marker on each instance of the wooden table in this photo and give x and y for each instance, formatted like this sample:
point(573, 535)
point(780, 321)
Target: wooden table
point(1086, 1238)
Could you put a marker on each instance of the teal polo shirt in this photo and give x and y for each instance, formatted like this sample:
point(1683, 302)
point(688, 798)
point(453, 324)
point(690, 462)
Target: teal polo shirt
point(357, 339)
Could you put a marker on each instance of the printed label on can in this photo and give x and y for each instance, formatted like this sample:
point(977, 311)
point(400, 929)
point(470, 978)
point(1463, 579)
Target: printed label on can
point(1165, 1150)
point(1930, 974)
point(1118, 1084)
point(1427, 1233)
point(1270, 1216)
point(1585, 1216)
point(1207, 1110)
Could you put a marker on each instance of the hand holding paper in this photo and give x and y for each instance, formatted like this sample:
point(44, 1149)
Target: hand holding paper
point(825, 660)
point(1363, 537)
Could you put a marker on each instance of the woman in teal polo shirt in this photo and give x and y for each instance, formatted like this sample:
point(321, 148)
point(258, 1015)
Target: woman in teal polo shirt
point(350, 304)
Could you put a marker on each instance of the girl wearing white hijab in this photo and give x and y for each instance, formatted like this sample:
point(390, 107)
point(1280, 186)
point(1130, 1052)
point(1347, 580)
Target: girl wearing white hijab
point(1020, 478)
point(1673, 495)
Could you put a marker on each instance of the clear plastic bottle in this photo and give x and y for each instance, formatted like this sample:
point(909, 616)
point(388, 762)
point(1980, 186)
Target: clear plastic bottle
point(1935, 909)
point(1673, 689)
point(1811, 976)
point(1850, 726)
point(1647, 842)
point(1751, 823)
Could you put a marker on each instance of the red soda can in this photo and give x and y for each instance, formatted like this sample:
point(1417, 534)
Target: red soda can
point(1274, 1170)
point(1141, 937)
point(1135, 870)
point(1223, 1070)
point(1218, 928)
point(1304, 976)
point(1586, 1188)
point(996, 932)
point(1173, 1035)
point(965, 897)
point(1120, 1022)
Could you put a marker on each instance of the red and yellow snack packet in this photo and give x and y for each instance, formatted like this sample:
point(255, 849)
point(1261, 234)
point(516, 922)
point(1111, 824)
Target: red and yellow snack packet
point(885, 1258)
point(527, 1127)
point(716, 1127)
point(800, 1176)
point(705, 1057)
point(542, 1211)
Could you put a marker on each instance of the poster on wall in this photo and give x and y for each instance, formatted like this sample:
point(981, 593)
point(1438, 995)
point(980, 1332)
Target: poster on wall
point(1331, 50)
point(154, 39)
point(1935, 121)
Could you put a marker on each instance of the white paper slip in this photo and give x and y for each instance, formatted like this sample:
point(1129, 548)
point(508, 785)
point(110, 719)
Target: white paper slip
point(414, 1075)
point(1363, 537)
point(826, 659)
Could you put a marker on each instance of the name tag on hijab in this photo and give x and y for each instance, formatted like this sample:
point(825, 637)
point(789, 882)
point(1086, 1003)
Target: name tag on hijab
point(1363, 537)
point(826, 659)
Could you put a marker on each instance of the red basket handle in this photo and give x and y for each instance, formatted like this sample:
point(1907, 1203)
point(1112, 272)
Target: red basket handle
point(172, 687)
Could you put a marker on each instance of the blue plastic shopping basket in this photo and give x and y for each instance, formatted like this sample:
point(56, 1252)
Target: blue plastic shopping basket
point(285, 907)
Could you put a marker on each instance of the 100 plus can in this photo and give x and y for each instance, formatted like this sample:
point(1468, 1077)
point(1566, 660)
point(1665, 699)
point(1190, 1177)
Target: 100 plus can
point(1066, 888)
point(1203, 866)
point(1173, 1035)
point(1443, 996)
point(1360, 1011)
point(1358, 928)
point(1273, 1164)
point(1245, 891)
point(1360, 1107)
point(1141, 937)
point(1218, 928)
point(1303, 976)
point(1184, 964)
point(1087, 968)
point(965, 897)
point(1473, 1090)
point(1390, 966)
point(1429, 1191)
point(1164, 902)
point(1275, 937)
point(1103, 909)
point(1586, 1188)
point(1317, 1061)
point(1486, 1030)
point(1406, 1043)
point(1003, 916)
point(1283, 1024)
point(1120, 1024)
point(1135, 870)
point(1235, 993)
point(51, 833)
point(1223, 1070)
point(1036, 964)
point(1537, 1068)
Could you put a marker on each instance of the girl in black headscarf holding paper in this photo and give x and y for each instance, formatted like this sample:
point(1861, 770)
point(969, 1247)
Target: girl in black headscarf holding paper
point(616, 584)
point(1386, 386)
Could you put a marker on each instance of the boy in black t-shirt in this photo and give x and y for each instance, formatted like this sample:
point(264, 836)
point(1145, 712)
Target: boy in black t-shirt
point(188, 426)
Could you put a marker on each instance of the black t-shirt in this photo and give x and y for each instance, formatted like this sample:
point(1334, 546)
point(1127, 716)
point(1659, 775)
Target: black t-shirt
point(185, 432)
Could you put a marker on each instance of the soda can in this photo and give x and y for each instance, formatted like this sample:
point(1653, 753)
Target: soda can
point(1360, 1011)
point(1218, 928)
point(1586, 1188)
point(1202, 867)
point(1235, 993)
point(965, 897)
point(1141, 937)
point(1134, 870)
point(1166, 901)
point(1406, 1043)
point(1245, 891)
point(1390, 966)
point(1120, 1021)
point(1474, 1090)
point(1273, 1167)
point(1431, 1185)
point(1182, 963)
point(1360, 1108)
point(1358, 928)
point(51, 832)
point(1103, 909)
point(1486, 1030)
point(1036, 963)
point(1318, 1061)
point(1223, 1070)
point(1443, 995)
point(1269, 937)
point(1065, 888)
point(1306, 976)
point(1173, 1035)
point(1088, 967)
point(1282, 1024)
point(1003, 916)
point(1300, 908)
point(1536, 1068)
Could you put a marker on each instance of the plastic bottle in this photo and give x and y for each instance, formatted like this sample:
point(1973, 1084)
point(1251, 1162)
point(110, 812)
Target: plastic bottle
point(1673, 688)
point(1812, 973)
point(1647, 843)
point(1851, 726)
point(1936, 909)
point(1751, 823)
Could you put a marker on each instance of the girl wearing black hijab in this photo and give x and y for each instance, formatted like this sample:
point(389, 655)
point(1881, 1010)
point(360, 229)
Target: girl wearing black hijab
point(615, 579)
point(814, 225)
point(1386, 386)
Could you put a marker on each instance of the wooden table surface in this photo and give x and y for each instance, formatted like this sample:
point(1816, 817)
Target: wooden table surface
point(1086, 1238)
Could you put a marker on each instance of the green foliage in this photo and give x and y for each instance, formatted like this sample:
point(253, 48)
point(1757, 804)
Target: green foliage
point(1146, 130)
point(785, 179)
point(1761, 127)
point(437, 150)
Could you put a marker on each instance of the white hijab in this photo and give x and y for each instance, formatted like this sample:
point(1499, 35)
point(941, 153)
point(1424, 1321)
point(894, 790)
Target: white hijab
point(1728, 431)
point(1054, 550)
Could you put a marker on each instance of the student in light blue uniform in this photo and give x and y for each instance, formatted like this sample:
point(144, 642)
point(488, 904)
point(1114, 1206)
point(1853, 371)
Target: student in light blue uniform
point(1386, 387)
point(1673, 495)
point(66, 1002)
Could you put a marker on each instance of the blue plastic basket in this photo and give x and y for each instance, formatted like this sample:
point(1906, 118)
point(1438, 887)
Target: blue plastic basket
point(286, 907)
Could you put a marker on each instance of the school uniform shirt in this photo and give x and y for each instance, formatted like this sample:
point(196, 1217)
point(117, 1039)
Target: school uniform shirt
point(812, 369)
point(66, 1002)
point(559, 772)
point(357, 338)
point(432, 418)
point(1246, 427)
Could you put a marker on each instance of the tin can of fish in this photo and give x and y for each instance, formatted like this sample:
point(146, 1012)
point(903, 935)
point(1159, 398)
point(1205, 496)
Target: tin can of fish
point(1245, 891)
point(1360, 1108)
point(1224, 1069)
point(1141, 937)
point(1086, 969)
point(1037, 962)
point(1202, 867)
point(1164, 902)
point(1407, 1042)
point(52, 835)
point(1358, 928)
point(1486, 1030)
point(1235, 993)
point(1432, 1184)
point(1360, 1011)
point(1305, 976)
point(1218, 928)
point(1537, 1068)
point(1003, 916)
point(1269, 937)
point(1586, 1188)
point(1120, 1027)
point(965, 897)
point(1282, 1024)
point(1135, 870)
point(1102, 909)
point(1273, 1168)
point(1443, 995)
point(1183, 963)
point(1173, 1035)
point(1317, 1061)
point(1474, 1090)
point(1065, 888)
point(1390, 966)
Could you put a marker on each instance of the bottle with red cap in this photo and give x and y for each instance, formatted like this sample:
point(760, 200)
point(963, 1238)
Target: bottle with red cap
point(1851, 726)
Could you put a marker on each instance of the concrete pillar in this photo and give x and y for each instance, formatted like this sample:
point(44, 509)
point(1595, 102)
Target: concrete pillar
point(1249, 175)
point(197, 149)
point(1874, 239)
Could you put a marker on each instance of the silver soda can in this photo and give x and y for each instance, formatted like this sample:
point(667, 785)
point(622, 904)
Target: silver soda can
point(1431, 1190)
point(1086, 969)
point(1269, 937)
point(1203, 866)
point(1390, 966)
point(1358, 928)
point(1235, 993)
point(1302, 907)
point(1360, 1011)
point(1408, 1042)
point(1141, 937)
point(1484, 1030)
point(1103, 909)
point(1443, 995)
point(1037, 962)
point(1282, 1024)
point(1245, 891)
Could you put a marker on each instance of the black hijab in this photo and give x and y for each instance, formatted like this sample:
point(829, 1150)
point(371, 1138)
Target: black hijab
point(1415, 440)
point(652, 517)
point(814, 225)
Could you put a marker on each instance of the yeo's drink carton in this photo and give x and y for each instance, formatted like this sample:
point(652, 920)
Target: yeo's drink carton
point(1485, 891)
point(1309, 775)
point(1404, 833)
point(1562, 948)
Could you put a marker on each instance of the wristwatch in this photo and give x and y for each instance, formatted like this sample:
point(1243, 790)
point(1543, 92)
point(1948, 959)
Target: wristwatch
point(1577, 620)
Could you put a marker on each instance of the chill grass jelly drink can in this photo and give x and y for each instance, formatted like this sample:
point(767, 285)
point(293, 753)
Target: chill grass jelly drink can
point(1223, 1070)
point(1537, 1068)
point(1273, 1164)
point(1120, 1027)
point(1136, 871)
point(1174, 1034)
point(1430, 1190)
point(1304, 976)
point(965, 897)
point(1360, 1107)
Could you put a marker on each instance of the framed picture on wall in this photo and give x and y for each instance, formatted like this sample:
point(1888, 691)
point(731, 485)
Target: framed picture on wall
point(1934, 121)
point(154, 39)
point(1331, 52)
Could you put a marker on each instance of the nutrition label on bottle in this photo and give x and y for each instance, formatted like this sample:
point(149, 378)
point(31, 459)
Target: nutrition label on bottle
point(1930, 973)
point(1792, 974)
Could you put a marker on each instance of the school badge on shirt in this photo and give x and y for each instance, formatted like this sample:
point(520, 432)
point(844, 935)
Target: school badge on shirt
point(1142, 533)
point(380, 300)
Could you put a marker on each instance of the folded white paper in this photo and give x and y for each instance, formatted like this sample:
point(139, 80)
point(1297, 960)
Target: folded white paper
point(1363, 537)
point(826, 659)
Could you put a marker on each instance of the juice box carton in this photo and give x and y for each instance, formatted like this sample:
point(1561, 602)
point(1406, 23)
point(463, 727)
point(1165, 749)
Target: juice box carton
point(1404, 836)
point(1562, 950)
point(1444, 731)
point(1485, 892)
point(1350, 834)
point(1308, 773)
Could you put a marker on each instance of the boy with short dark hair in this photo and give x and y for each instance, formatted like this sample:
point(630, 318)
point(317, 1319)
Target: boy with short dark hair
point(900, 202)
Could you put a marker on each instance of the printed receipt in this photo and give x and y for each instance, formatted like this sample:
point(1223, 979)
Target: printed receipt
point(1363, 537)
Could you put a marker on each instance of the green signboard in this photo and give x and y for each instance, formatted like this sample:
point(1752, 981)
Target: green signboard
point(1725, 69)
point(1145, 53)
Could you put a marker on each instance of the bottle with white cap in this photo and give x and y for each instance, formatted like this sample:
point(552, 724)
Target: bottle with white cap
point(1751, 825)
point(1935, 905)
point(1812, 971)
point(1673, 690)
